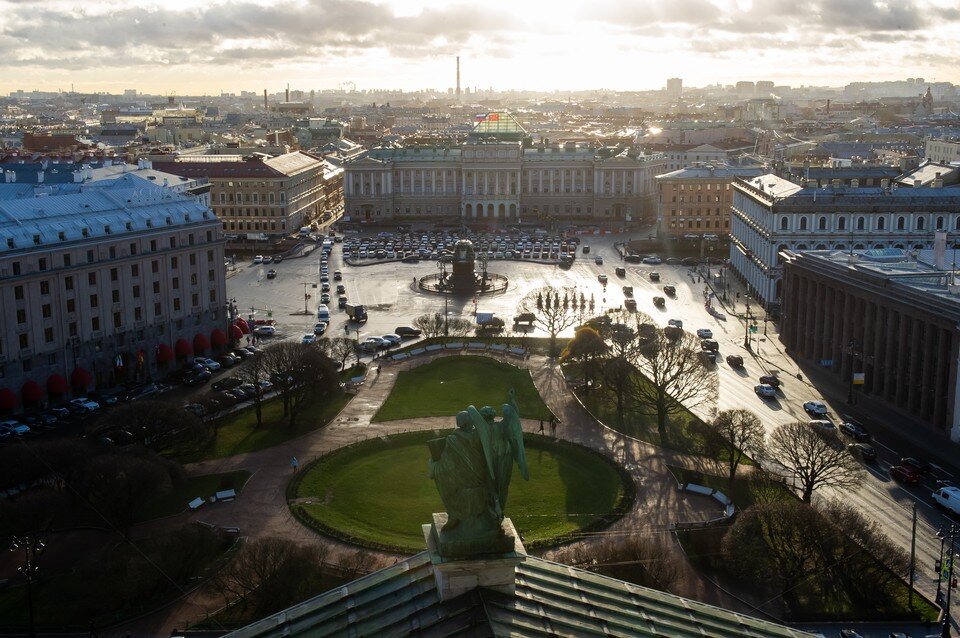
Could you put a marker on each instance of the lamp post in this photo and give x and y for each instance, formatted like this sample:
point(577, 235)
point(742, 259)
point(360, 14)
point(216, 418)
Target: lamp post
point(945, 631)
point(942, 537)
point(746, 329)
point(32, 547)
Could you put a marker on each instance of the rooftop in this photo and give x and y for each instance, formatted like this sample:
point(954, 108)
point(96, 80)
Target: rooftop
point(221, 166)
point(785, 194)
point(706, 171)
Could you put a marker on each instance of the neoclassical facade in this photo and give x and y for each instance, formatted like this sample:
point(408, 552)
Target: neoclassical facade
point(771, 214)
point(493, 181)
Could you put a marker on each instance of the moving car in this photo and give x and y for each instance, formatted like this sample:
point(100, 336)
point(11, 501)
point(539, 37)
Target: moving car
point(770, 379)
point(765, 391)
point(816, 408)
point(709, 344)
point(676, 323)
point(320, 327)
point(948, 498)
point(863, 451)
point(599, 260)
point(855, 431)
point(586, 249)
point(407, 331)
point(264, 331)
point(652, 260)
point(271, 274)
point(654, 276)
point(735, 361)
point(621, 271)
point(670, 290)
point(602, 279)
point(308, 339)
point(659, 302)
point(704, 333)
point(904, 474)
point(919, 466)
point(823, 426)
point(337, 275)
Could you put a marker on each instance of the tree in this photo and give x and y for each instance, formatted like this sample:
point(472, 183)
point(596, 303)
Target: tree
point(737, 431)
point(457, 327)
point(814, 460)
point(339, 349)
point(552, 315)
point(117, 485)
point(256, 372)
point(673, 373)
point(300, 374)
point(618, 377)
point(585, 347)
point(430, 324)
point(158, 425)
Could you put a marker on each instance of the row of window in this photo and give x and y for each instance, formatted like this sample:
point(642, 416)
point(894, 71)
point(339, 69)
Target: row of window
point(698, 223)
point(252, 198)
point(880, 223)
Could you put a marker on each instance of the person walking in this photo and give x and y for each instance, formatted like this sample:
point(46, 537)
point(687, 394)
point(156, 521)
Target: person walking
point(553, 426)
point(540, 431)
point(295, 464)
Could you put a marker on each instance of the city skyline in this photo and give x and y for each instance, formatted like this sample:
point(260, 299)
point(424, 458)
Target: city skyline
point(411, 45)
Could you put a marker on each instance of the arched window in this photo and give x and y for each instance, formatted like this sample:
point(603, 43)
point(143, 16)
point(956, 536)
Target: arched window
point(956, 223)
point(822, 224)
point(920, 223)
point(859, 247)
point(878, 246)
point(801, 246)
point(839, 247)
point(803, 223)
point(939, 223)
point(861, 223)
point(881, 223)
point(918, 246)
point(821, 246)
point(842, 223)
point(901, 223)
point(785, 224)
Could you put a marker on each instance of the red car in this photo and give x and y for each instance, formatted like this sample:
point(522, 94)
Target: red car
point(904, 474)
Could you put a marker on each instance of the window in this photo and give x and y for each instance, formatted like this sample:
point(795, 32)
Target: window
point(71, 305)
point(66, 261)
point(46, 311)
point(173, 262)
point(156, 287)
point(176, 304)
point(136, 292)
point(861, 223)
point(901, 223)
point(114, 275)
point(16, 268)
point(113, 252)
point(920, 223)
point(48, 335)
point(176, 283)
point(155, 266)
point(939, 223)
point(92, 278)
point(94, 302)
point(195, 299)
point(137, 313)
point(803, 223)
point(133, 249)
point(42, 263)
point(784, 223)
point(881, 223)
point(89, 256)
point(822, 224)
point(157, 311)
point(68, 283)
point(95, 323)
point(116, 296)
point(135, 270)
point(18, 292)
point(21, 316)
point(72, 329)
point(24, 342)
point(117, 322)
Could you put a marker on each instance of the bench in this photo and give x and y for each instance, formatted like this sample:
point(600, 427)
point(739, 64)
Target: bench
point(225, 495)
point(476, 345)
point(454, 346)
point(417, 351)
point(498, 347)
point(435, 347)
point(519, 352)
point(400, 356)
point(196, 503)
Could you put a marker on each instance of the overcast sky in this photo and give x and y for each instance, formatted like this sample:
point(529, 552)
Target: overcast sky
point(189, 46)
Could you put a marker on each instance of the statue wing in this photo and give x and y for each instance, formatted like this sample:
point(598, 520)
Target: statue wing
point(483, 431)
point(514, 433)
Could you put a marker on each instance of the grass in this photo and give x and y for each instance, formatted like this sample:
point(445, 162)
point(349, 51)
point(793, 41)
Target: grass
point(378, 493)
point(237, 434)
point(175, 501)
point(534, 345)
point(444, 386)
point(744, 492)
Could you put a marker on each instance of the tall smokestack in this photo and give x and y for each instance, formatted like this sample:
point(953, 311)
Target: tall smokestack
point(265, 107)
point(458, 78)
point(288, 94)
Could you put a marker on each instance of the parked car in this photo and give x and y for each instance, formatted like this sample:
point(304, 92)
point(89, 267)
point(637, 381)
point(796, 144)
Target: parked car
point(815, 408)
point(904, 474)
point(770, 379)
point(855, 431)
point(228, 383)
point(86, 404)
point(14, 428)
point(271, 274)
point(407, 331)
point(948, 498)
point(228, 359)
point(393, 339)
point(823, 426)
point(765, 391)
point(337, 275)
point(709, 344)
point(308, 339)
point(598, 260)
point(652, 260)
point(704, 333)
point(209, 364)
point(863, 451)
point(264, 331)
point(258, 259)
point(242, 354)
point(735, 361)
point(920, 466)
point(676, 323)
point(670, 290)
point(196, 378)
point(325, 298)
point(632, 259)
point(341, 289)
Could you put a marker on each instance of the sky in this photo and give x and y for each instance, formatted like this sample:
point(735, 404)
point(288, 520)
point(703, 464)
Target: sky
point(188, 47)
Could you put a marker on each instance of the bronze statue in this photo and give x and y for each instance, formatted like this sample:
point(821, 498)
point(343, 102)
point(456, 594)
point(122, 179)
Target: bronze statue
point(472, 469)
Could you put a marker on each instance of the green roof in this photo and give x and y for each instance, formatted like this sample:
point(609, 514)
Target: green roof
point(550, 600)
point(499, 125)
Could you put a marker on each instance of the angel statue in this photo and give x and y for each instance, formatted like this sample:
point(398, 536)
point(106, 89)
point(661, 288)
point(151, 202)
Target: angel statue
point(472, 469)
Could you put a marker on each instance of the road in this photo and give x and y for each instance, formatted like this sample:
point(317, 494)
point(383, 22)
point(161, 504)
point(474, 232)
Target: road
point(387, 290)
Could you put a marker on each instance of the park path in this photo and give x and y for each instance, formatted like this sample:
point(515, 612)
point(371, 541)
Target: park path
point(261, 510)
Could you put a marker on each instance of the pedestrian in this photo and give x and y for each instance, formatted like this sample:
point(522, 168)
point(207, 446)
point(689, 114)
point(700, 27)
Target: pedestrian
point(540, 431)
point(553, 427)
point(295, 464)
point(378, 370)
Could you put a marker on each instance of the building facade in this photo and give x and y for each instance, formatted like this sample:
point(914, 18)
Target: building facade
point(259, 194)
point(697, 200)
point(104, 283)
point(771, 214)
point(502, 181)
point(886, 315)
point(942, 150)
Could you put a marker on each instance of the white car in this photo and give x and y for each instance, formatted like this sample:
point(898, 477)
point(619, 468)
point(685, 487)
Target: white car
point(823, 426)
point(765, 391)
point(13, 427)
point(309, 338)
point(264, 331)
point(705, 333)
point(393, 339)
point(209, 364)
point(320, 328)
point(816, 408)
point(258, 259)
point(86, 404)
point(372, 344)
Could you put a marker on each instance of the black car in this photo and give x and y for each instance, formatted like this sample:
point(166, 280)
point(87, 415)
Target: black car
point(862, 450)
point(196, 378)
point(227, 384)
point(673, 261)
point(670, 290)
point(709, 345)
point(734, 361)
point(918, 465)
point(633, 259)
point(855, 431)
point(769, 379)
point(621, 271)
point(406, 331)
point(659, 302)
point(690, 261)
point(411, 259)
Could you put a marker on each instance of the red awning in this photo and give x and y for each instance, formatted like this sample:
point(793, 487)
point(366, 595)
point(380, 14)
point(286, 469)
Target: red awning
point(217, 337)
point(182, 348)
point(31, 392)
point(200, 342)
point(80, 378)
point(164, 353)
point(8, 399)
point(236, 333)
point(57, 385)
point(242, 324)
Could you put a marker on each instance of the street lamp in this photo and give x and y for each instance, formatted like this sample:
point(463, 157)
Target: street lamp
point(945, 631)
point(32, 547)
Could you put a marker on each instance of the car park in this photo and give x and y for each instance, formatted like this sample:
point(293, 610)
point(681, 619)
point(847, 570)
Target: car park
point(704, 333)
point(735, 361)
point(904, 474)
point(855, 431)
point(863, 451)
point(815, 408)
point(765, 391)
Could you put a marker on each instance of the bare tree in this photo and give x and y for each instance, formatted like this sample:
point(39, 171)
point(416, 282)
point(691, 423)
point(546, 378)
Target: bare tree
point(300, 374)
point(158, 425)
point(255, 372)
point(813, 459)
point(673, 373)
point(339, 349)
point(430, 324)
point(552, 307)
point(737, 431)
point(585, 347)
point(457, 327)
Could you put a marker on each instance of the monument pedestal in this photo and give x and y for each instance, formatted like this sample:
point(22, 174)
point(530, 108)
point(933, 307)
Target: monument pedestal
point(459, 566)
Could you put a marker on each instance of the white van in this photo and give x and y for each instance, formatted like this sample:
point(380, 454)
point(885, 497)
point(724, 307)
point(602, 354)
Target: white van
point(323, 313)
point(948, 498)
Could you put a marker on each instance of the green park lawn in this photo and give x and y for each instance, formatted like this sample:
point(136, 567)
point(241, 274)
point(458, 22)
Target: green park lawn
point(447, 385)
point(175, 501)
point(378, 493)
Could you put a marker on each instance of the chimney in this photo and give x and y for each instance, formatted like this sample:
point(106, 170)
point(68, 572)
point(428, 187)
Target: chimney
point(287, 99)
point(265, 107)
point(940, 250)
point(917, 183)
point(885, 183)
point(937, 181)
point(458, 78)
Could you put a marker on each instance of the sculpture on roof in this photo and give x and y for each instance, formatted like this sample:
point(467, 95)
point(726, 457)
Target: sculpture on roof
point(472, 468)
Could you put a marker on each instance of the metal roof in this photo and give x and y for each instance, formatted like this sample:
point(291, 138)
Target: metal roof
point(74, 212)
point(550, 599)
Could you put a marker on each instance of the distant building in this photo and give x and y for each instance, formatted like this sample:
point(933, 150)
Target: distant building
point(696, 200)
point(674, 88)
point(257, 193)
point(745, 89)
point(884, 314)
point(493, 178)
point(771, 215)
point(54, 142)
point(103, 283)
point(942, 150)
